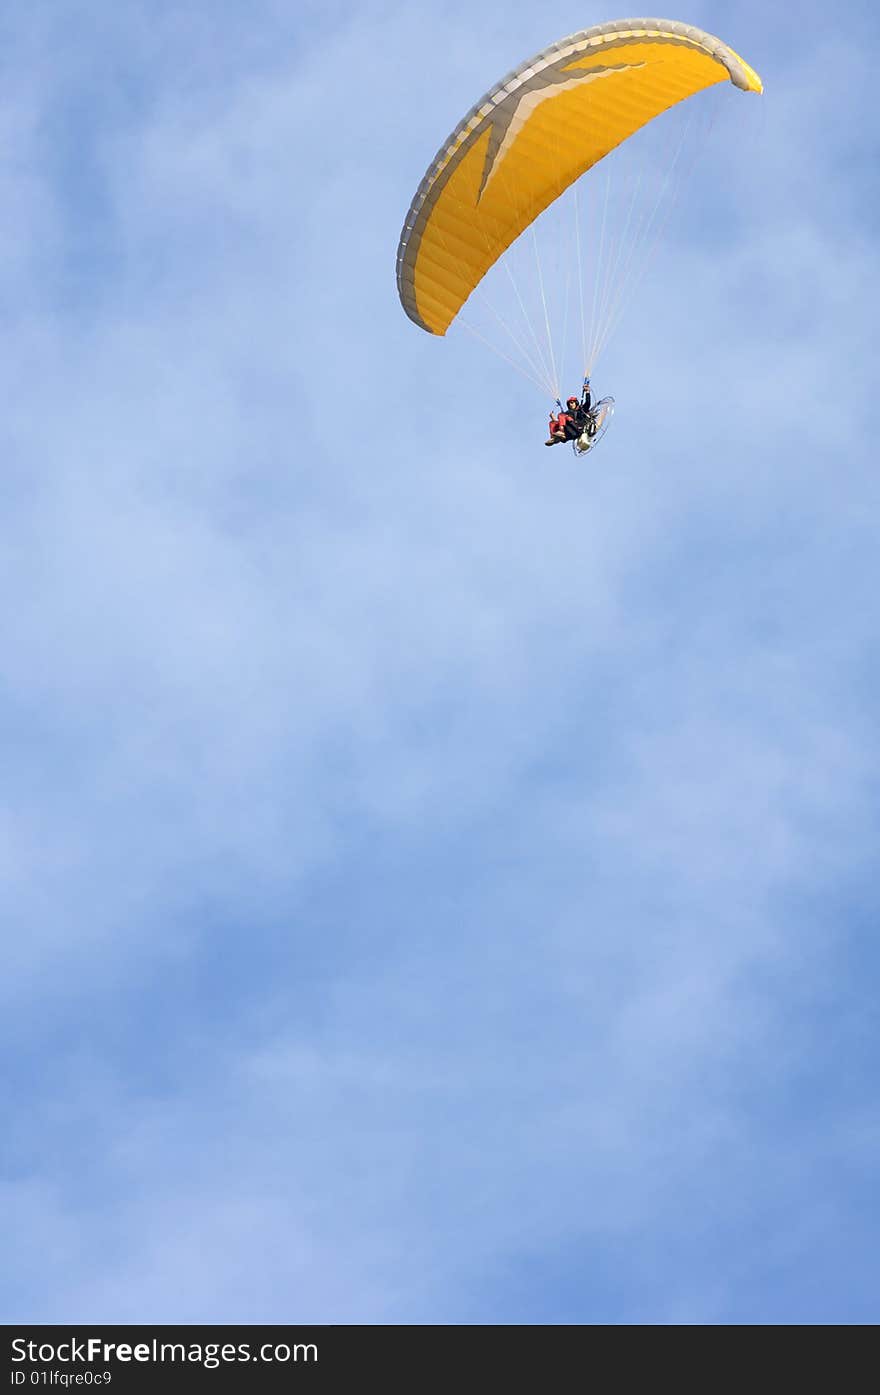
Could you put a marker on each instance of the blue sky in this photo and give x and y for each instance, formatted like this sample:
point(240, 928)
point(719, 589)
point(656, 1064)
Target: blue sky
point(438, 881)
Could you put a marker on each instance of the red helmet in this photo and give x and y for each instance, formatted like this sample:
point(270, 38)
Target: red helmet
point(570, 400)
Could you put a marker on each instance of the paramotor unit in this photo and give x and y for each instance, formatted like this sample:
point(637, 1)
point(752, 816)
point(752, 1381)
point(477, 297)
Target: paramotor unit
point(599, 422)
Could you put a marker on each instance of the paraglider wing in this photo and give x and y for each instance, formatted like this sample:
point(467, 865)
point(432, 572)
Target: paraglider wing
point(532, 135)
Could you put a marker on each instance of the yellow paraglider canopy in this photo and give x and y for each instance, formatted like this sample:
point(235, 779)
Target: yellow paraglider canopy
point(535, 133)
